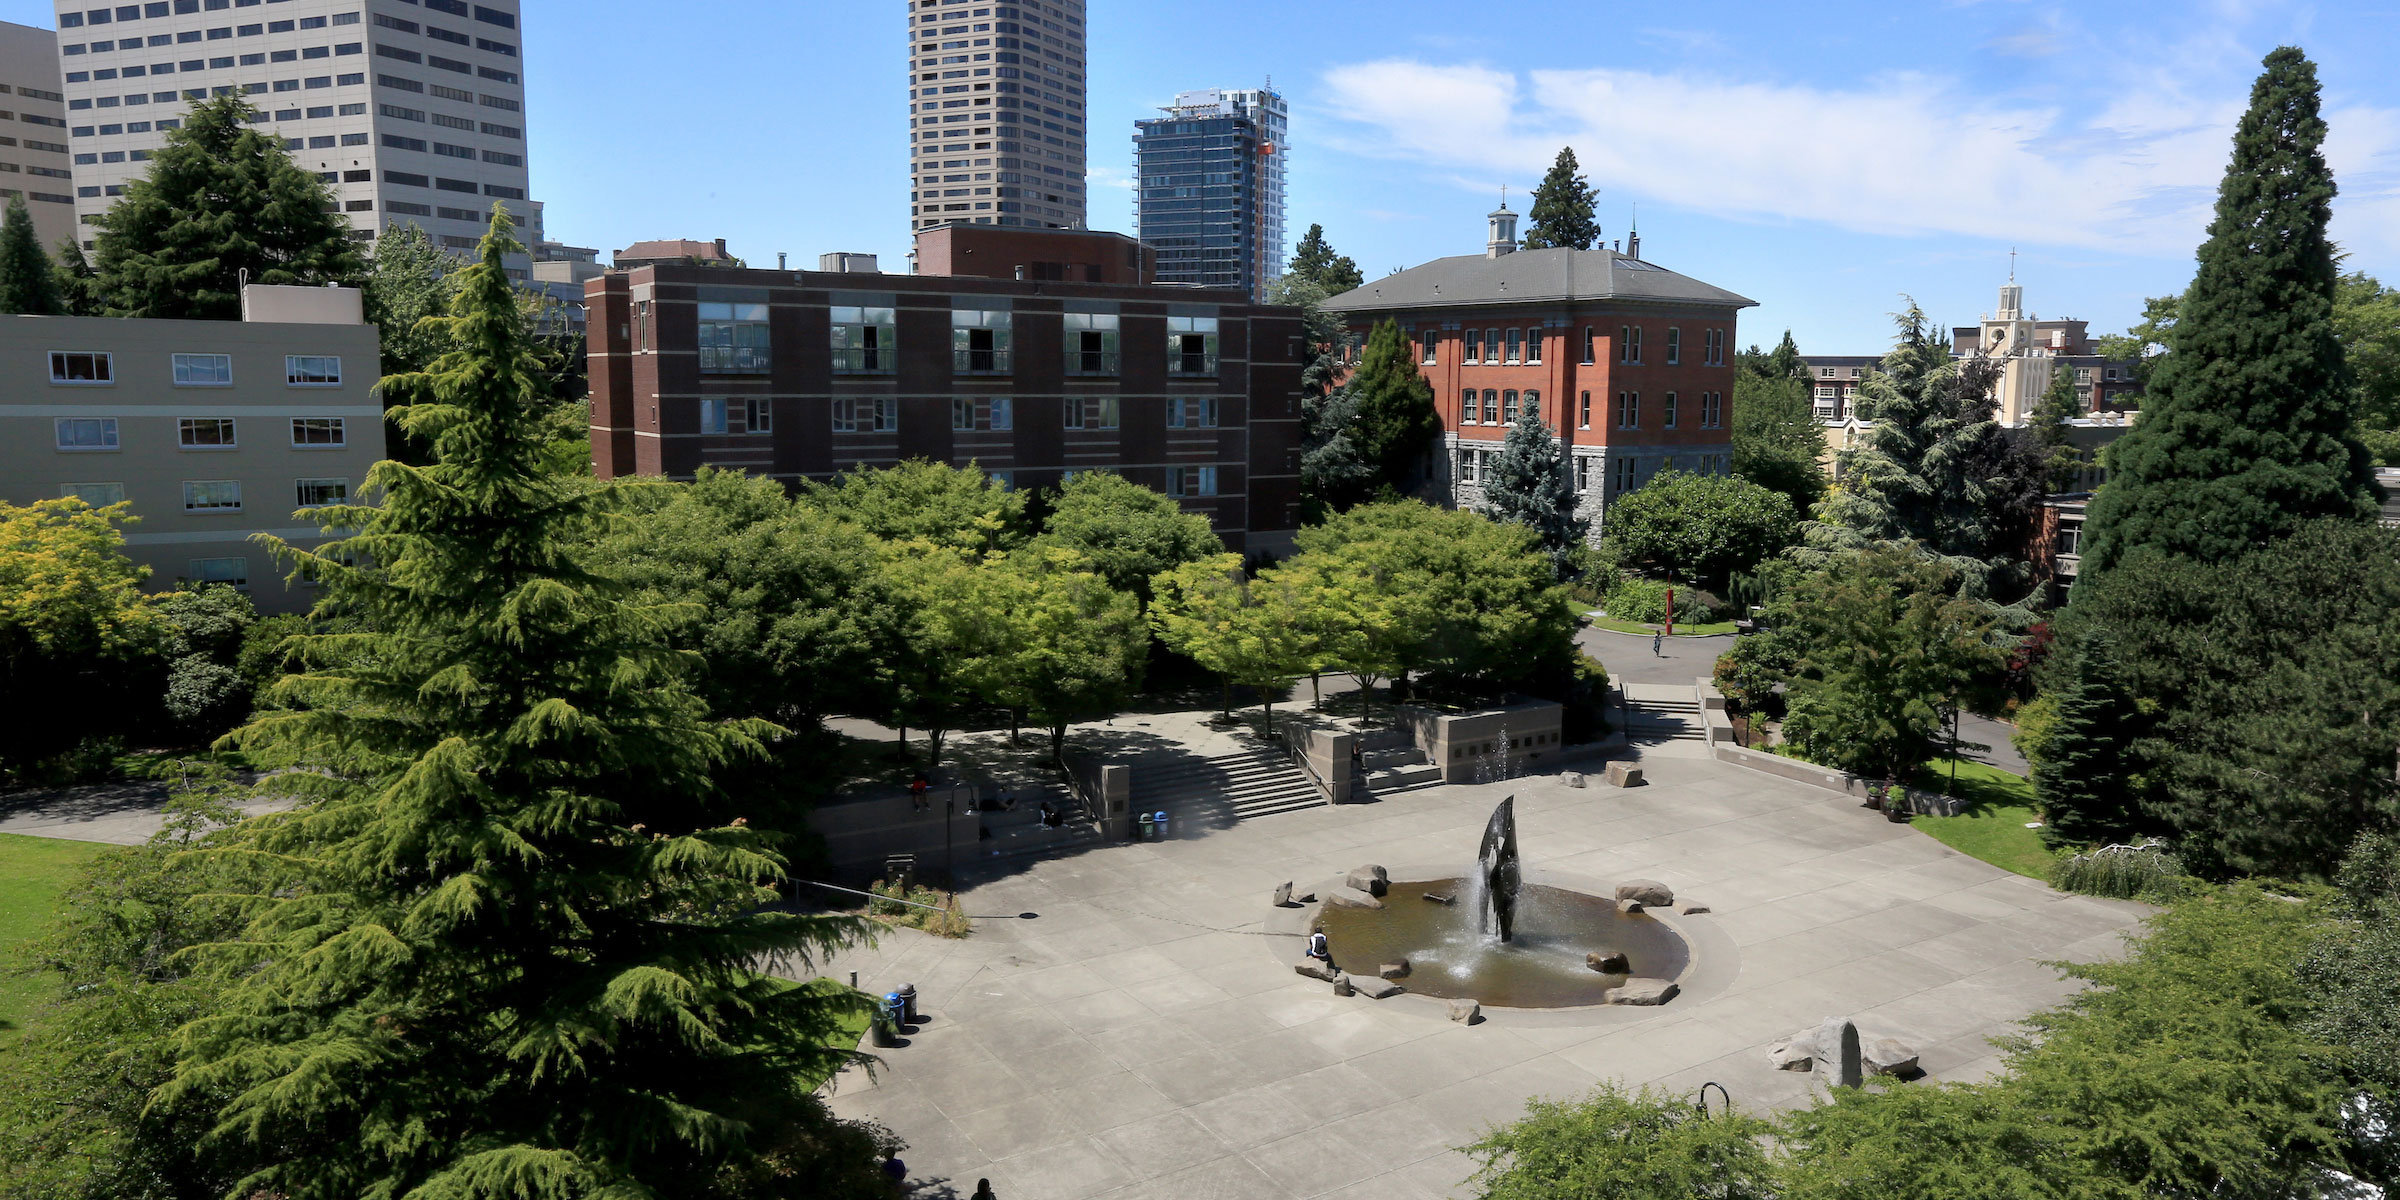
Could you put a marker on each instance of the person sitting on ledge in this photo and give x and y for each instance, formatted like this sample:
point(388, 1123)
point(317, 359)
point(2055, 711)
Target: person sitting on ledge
point(1051, 817)
point(1317, 949)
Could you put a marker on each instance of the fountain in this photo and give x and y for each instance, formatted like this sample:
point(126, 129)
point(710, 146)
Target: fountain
point(1527, 944)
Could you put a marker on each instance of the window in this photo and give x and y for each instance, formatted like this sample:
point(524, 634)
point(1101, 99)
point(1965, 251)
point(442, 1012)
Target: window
point(1474, 346)
point(1191, 345)
point(1508, 407)
point(1629, 410)
point(1670, 411)
point(1583, 474)
point(1091, 343)
point(318, 431)
point(979, 341)
point(1516, 346)
point(203, 370)
point(87, 433)
point(1591, 345)
point(712, 415)
point(317, 493)
point(212, 495)
point(1533, 345)
point(972, 414)
point(1715, 350)
point(865, 414)
point(1191, 481)
point(1191, 412)
point(863, 340)
point(1491, 407)
point(312, 370)
point(1629, 344)
point(1712, 409)
point(758, 415)
point(1466, 407)
point(1090, 412)
point(1427, 343)
point(98, 495)
point(1624, 473)
point(1583, 417)
point(81, 366)
point(733, 339)
point(1674, 348)
point(204, 433)
point(1825, 372)
point(233, 572)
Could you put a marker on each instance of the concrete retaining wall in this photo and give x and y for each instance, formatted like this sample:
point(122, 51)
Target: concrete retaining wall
point(1461, 743)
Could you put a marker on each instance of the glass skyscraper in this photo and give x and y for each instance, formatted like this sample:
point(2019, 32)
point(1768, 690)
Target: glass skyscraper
point(1211, 192)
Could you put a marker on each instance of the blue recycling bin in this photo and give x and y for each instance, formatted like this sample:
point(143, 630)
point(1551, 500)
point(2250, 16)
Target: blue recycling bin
point(1161, 821)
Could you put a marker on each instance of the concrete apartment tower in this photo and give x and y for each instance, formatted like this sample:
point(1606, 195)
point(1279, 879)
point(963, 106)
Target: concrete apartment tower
point(1211, 193)
point(413, 110)
point(996, 114)
point(33, 132)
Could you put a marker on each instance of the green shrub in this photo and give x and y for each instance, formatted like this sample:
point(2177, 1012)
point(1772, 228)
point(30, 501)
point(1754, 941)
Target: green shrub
point(2145, 870)
point(1645, 601)
point(1749, 672)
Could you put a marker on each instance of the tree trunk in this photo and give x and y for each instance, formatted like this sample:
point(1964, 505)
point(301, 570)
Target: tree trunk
point(1316, 694)
point(1267, 710)
point(934, 759)
point(1016, 719)
point(1225, 696)
point(1058, 744)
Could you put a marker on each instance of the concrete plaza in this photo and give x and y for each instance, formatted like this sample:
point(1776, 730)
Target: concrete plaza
point(1140, 1033)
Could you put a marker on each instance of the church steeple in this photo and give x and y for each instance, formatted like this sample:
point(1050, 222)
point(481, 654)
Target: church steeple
point(1504, 230)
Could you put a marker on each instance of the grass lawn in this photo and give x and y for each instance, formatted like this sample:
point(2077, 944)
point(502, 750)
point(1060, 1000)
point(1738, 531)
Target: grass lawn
point(1600, 621)
point(34, 873)
point(854, 1026)
point(1992, 827)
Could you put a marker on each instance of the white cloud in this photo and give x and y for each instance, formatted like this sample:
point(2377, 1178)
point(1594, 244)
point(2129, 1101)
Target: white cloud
point(1899, 153)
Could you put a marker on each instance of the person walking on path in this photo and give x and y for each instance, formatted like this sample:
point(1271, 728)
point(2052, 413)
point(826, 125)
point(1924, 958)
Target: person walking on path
point(983, 1191)
point(1658, 644)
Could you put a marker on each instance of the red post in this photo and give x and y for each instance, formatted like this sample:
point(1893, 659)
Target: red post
point(1670, 612)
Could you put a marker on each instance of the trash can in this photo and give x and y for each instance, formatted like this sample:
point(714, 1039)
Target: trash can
point(908, 1003)
point(1143, 832)
point(1161, 821)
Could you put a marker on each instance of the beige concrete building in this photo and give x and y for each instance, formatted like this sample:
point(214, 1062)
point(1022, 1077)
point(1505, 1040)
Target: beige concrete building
point(214, 431)
point(34, 160)
point(996, 114)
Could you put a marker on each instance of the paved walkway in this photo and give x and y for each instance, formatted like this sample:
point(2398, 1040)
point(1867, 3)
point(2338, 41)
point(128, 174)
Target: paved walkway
point(1629, 660)
point(125, 814)
point(1141, 1033)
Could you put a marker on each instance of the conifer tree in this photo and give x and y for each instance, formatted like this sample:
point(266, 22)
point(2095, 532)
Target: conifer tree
point(1396, 422)
point(1529, 487)
point(2247, 427)
point(1314, 260)
point(1561, 215)
point(78, 288)
point(220, 197)
point(520, 950)
point(2083, 780)
point(2059, 405)
point(27, 283)
point(1778, 443)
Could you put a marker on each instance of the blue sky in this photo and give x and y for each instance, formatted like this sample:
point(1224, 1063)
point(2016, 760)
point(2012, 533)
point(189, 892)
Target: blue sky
point(1820, 158)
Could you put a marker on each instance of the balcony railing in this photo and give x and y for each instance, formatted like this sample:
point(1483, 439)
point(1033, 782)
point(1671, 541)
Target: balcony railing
point(864, 360)
point(1091, 362)
point(979, 362)
point(1191, 364)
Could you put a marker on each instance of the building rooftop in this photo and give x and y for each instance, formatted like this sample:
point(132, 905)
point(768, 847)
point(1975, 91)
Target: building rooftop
point(1532, 276)
point(676, 249)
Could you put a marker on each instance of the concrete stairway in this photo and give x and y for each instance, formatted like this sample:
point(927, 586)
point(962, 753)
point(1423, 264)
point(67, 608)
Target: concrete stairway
point(1236, 786)
point(1020, 833)
point(1664, 717)
point(1399, 770)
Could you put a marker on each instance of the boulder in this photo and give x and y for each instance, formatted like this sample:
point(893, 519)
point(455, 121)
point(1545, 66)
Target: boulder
point(1573, 778)
point(1629, 906)
point(1350, 897)
point(1465, 1012)
point(1305, 898)
point(1689, 909)
point(1394, 970)
point(1315, 968)
point(1795, 1054)
point(1649, 891)
point(1884, 1056)
point(1370, 880)
point(1283, 894)
point(1342, 985)
point(1643, 991)
point(1376, 989)
point(1610, 962)
point(1624, 775)
point(1836, 1043)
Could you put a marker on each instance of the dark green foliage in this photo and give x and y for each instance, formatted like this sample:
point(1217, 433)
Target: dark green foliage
point(1313, 260)
point(1561, 215)
point(1778, 442)
point(1528, 486)
point(1703, 528)
point(519, 947)
point(2142, 870)
point(78, 288)
point(2083, 780)
point(28, 282)
point(1616, 1144)
point(407, 289)
point(2355, 975)
point(2052, 435)
point(2366, 319)
point(2264, 695)
point(1396, 423)
point(1748, 673)
point(1922, 1140)
point(1125, 532)
point(2247, 428)
point(1333, 476)
point(205, 627)
point(221, 197)
point(2146, 343)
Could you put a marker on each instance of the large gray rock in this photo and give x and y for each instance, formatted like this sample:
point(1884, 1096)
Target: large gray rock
point(1629, 906)
point(1624, 775)
point(1466, 1012)
point(1573, 779)
point(1371, 880)
point(1884, 1056)
point(1608, 962)
point(1350, 897)
point(1394, 970)
point(1315, 968)
point(1689, 909)
point(1342, 985)
point(1838, 1055)
point(1649, 891)
point(1795, 1054)
point(1283, 894)
point(1376, 989)
point(1642, 990)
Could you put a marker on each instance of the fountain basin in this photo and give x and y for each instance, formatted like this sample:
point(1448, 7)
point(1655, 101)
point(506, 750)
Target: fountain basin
point(1542, 966)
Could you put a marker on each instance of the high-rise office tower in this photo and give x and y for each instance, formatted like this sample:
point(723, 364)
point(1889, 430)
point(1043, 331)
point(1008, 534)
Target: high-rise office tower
point(33, 132)
point(413, 110)
point(1210, 196)
point(996, 104)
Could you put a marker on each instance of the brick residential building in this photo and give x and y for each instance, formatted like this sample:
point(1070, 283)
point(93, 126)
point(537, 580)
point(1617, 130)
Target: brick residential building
point(800, 375)
point(1048, 255)
point(1630, 364)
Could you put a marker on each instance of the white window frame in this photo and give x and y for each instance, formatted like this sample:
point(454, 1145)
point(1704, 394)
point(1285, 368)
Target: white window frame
point(295, 374)
point(76, 490)
point(1583, 414)
point(1674, 346)
point(239, 582)
point(300, 489)
point(185, 427)
point(1516, 346)
point(1090, 412)
point(1191, 412)
point(866, 414)
point(1428, 347)
point(1466, 407)
point(1669, 412)
point(104, 368)
point(1629, 410)
point(105, 426)
point(184, 368)
point(188, 493)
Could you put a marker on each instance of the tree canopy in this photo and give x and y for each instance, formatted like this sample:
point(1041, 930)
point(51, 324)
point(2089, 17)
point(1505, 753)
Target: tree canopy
point(1396, 423)
point(1313, 260)
point(1528, 485)
point(1125, 532)
point(1561, 214)
point(1777, 440)
point(1704, 528)
point(28, 281)
point(936, 505)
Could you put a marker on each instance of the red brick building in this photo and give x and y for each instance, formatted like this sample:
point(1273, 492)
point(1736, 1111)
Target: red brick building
point(804, 374)
point(1630, 364)
point(1012, 252)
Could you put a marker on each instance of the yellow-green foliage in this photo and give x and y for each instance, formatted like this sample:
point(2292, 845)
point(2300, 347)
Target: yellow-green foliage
point(944, 920)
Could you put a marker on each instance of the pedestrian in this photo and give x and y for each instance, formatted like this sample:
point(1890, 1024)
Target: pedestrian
point(1658, 644)
point(1358, 760)
point(917, 787)
point(983, 1191)
point(1317, 949)
point(896, 1173)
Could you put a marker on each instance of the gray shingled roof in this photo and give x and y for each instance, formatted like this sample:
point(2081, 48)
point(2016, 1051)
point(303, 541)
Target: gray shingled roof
point(1533, 275)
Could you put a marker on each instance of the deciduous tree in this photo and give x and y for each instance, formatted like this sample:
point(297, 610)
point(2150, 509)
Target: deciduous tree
point(1703, 528)
point(960, 509)
point(1126, 532)
point(72, 618)
point(1777, 440)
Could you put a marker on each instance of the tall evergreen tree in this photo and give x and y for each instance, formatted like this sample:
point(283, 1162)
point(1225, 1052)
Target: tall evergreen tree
point(2247, 429)
point(221, 197)
point(1529, 487)
point(1778, 442)
point(2053, 435)
point(519, 953)
point(1396, 422)
point(1333, 475)
point(1561, 215)
point(1314, 260)
point(1784, 362)
point(2083, 780)
point(27, 283)
point(78, 288)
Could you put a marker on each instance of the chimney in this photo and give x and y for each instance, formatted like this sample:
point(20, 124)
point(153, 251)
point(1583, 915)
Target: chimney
point(782, 260)
point(1633, 245)
point(1504, 233)
point(721, 249)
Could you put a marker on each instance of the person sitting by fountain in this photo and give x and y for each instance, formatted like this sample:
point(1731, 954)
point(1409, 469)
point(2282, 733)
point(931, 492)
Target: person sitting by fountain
point(1051, 817)
point(1317, 949)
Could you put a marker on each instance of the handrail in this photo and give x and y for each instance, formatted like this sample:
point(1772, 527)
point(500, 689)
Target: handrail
point(1299, 754)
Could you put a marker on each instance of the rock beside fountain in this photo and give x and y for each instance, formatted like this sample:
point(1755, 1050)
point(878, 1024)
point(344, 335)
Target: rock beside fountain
point(1884, 1056)
point(1643, 991)
point(1795, 1054)
point(1830, 1045)
point(1346, 896)
point(1283, 894)
point(1439, 897)
point(1466, 1012)
point(1836, 1043)
point(1342, 985)
point(1649, 891)
point(1572, 779)
point(1394, 970)
point(1624, 775)
point(1376, 989)
point(1315, 968)
point(1371, 880)
point(1689, 909)
point(1612, 962)
point(1629, 906)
